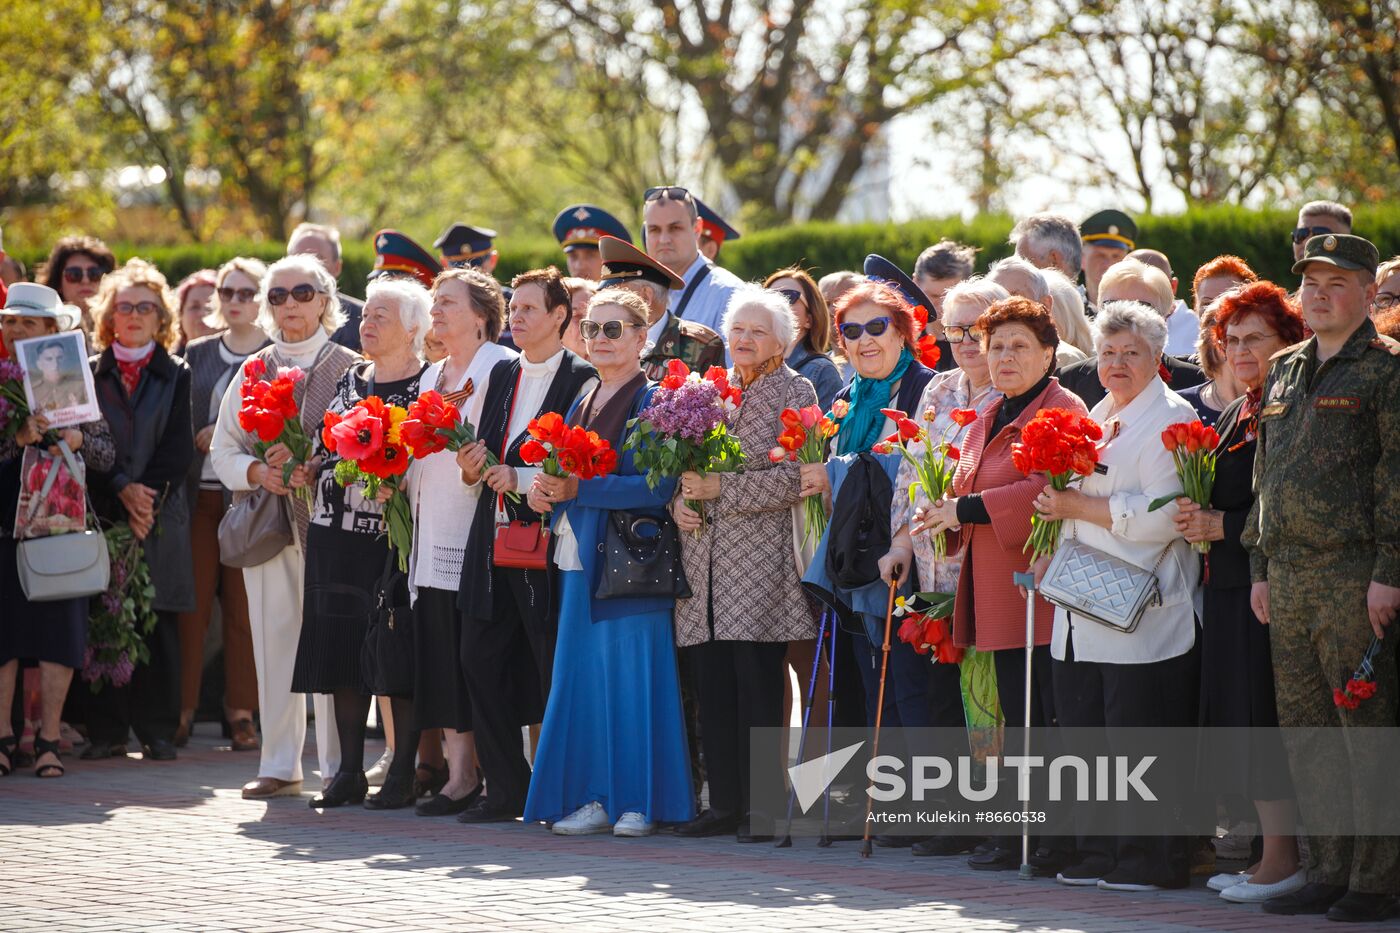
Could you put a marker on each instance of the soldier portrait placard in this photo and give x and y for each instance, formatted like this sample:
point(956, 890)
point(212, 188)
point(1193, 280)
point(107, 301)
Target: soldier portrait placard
point(57, 379)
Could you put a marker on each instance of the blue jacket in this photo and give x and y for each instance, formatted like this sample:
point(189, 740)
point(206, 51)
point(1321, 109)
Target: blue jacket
point(626, 489)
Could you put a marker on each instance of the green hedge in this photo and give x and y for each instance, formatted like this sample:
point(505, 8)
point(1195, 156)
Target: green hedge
point(1190, 239)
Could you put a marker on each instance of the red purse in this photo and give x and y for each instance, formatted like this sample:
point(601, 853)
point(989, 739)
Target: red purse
point(519, 544)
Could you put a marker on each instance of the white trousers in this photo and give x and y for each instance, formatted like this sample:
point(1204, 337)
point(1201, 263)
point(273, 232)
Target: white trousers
point(274, 611)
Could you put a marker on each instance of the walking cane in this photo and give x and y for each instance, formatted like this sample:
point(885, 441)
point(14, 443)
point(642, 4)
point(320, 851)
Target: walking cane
point(825, 840)
point(880, 703)
point(786, 841)
point(1027, 582)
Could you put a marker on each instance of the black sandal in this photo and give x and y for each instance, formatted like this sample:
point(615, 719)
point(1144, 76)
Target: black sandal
point(45, 747)
point(9, 747)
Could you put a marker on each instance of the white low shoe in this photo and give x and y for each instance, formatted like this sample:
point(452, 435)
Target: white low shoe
point(1226, 880)
point(1251, 893)
point(633, 824)
point(585, 821)
point(377, 772)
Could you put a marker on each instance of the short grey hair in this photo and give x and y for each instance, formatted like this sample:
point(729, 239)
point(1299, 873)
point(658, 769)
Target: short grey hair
point(1068, 311)
point(1044, 232)
point(1039, 287)
point(749, 297)
point(325, 231)
point(946, 259)
point(1338, 212)
point(978, 291)
point(1134, 317)
point(414, 303)
point(331, 318)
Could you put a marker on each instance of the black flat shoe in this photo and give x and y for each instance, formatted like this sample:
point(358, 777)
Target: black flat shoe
point(1048, 862)
point(484, 811)
point(1355, 907)
point(1311, 898)
point(96, 751)
point(443, 805)
point(395, 794)
point(709, 823)
point(347, 787)
point(945, 845)
point(158, 750)
point(995, 860)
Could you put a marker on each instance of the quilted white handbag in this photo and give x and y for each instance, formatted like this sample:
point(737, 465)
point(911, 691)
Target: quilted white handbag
point(1087, 582)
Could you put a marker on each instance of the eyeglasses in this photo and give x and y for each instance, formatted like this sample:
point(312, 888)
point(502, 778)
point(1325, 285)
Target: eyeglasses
point(302, 293)
point(665, 193)
point(1303, 234)
point(610, 329)
point(242, 295)
point(792, 295)
point(76, 273)
point(1249, 343)
point(1386, 300)
point(874, 327)
point(142, 308)
point(957, 333)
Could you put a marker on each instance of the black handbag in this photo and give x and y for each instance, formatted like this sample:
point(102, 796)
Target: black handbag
point(641, 557)
point(387, 660)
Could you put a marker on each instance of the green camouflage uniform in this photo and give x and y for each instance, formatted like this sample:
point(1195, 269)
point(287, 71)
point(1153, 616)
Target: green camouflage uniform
point(1325, 523)
point(693, 344)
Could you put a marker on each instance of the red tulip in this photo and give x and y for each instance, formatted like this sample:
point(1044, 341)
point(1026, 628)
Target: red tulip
point(962, 417)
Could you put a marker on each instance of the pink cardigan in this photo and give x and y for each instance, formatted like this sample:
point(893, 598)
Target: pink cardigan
point(990, 613)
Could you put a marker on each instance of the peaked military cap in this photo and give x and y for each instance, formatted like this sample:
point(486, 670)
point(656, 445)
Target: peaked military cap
point(581, 225)
point(397, 253)
point(880, 269)
point(1342, 250)
point(464, 245)
point(712, 225)
point(1110, 228)
point(623, 262)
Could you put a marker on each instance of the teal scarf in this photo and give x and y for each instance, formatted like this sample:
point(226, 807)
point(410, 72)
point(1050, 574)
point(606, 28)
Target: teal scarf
point(862, 426)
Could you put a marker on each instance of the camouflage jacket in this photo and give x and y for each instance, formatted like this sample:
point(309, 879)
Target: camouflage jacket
point(693, 344)
point(1327, 470)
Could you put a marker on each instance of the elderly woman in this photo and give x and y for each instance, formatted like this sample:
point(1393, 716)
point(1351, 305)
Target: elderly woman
point(1237, 677)
point(746, 601)
point(468, 314)
point(298, 306)
point(811, 343)
point(991, 503)
point(52, 633)
point(1150, 677)
point(193, 301)
point(215, 362)
point(75, 266)
point(612, 752)
point(144, 394)
point(345, 547)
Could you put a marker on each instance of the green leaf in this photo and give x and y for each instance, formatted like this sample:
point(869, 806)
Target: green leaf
point(1163, 500)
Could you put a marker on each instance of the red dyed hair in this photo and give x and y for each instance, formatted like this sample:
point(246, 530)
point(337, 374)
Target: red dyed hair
point(888, 300)
point(1233, 266)
point(1268, 301)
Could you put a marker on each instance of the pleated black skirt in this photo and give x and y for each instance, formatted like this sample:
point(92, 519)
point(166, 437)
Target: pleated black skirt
point(341, 570)
point(50, 631)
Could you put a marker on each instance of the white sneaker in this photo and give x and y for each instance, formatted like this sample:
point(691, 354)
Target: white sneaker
point(586, 820)
point(1248, 892)
point(1226, 880)
point(377, 772)
point(633, 824)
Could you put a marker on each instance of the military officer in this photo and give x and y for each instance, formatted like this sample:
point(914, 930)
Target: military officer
point(714, 231)
point(464, 245)
point(577, 228)
point(1324, 542)
point(396, 253)
point(668, 337)
point(1107, 236)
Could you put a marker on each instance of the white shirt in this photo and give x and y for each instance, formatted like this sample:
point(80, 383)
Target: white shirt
point(535, 379)
point(1139, 469)
point(1183, 329)
point(710, 298)
point(440, 530)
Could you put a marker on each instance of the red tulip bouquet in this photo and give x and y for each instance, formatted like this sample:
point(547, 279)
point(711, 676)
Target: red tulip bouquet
point(434, 424)
point(1192, 445)
point(1362, 685)
point(804, 439)
point(1063, 444)
point(369, 441)
point(925, 627)
point(935, 463)
point(563, 450)
point(269, 412)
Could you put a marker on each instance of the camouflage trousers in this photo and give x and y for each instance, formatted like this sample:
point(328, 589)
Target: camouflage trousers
point(1319, 629)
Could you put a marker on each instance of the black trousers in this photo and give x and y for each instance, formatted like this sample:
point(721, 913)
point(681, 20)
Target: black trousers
point(741, 688)
point(1158, 693)
point(503, 657)
point(149, 705)
point(1010, 665)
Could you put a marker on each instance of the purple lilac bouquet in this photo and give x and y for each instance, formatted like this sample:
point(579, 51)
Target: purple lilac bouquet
point(14, 410)
point(122, 616)
point(686, 427)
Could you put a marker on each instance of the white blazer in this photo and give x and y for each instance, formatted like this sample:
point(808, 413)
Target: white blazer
point(1135, 468)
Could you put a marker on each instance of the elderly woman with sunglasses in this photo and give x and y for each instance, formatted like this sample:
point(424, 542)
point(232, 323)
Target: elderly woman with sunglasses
point(809, 353)
point(215, 362)
point(300, 309)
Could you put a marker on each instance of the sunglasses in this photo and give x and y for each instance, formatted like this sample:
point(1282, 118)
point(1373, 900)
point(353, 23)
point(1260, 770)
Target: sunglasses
point(665, 193)
point(76, 273)
point(957, 333)
point(1303, 234)
point(302, 293)
point(609, 329)
point(242, 295)
point(142, 308)
point(792, 295)
point(874, 327)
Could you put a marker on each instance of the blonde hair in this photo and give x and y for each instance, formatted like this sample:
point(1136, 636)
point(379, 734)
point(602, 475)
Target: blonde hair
point(629, 302)
point(331, 316)
point(1386, 269)
point(254, 269)
point(1152, 278)
point(137, 273)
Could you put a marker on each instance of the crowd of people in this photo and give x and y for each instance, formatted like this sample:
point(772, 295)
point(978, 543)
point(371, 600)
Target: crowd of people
point(532, 691)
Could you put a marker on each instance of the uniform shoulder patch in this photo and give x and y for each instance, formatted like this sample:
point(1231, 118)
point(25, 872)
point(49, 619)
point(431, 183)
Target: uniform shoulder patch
point(1287, 350)
point(1388, 344)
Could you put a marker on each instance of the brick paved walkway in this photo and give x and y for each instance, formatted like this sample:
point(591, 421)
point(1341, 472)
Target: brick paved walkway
point(144, 845)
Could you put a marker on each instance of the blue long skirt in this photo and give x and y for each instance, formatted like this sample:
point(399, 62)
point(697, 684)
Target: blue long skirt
point(613, 731)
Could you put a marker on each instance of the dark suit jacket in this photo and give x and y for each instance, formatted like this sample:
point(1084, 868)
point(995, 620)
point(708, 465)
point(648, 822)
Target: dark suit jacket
point(1082, 378)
